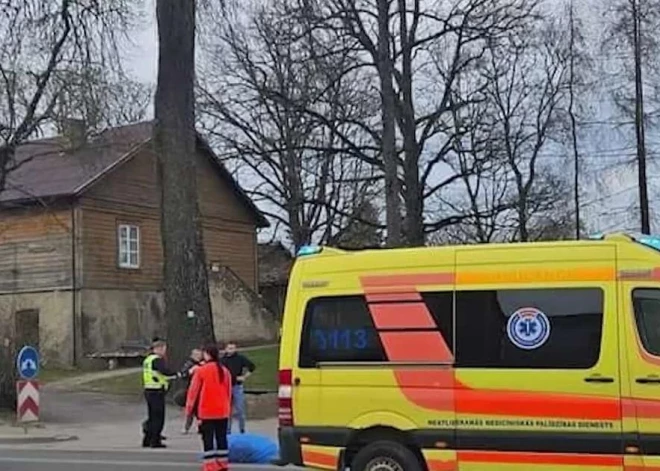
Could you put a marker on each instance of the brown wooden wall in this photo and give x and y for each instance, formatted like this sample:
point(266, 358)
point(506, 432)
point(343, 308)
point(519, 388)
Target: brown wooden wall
point(130, 195)
point(35, 249)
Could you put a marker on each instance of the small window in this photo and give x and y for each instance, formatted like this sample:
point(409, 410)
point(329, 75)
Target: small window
point(535, 328)
point(339, 329)
point(129, 246)
point(646, 303)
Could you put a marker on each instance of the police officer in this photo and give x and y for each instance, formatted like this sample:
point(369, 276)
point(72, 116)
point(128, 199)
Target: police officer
point(156, 379)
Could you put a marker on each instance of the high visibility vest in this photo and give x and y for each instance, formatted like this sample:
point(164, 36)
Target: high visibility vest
point(152, 379)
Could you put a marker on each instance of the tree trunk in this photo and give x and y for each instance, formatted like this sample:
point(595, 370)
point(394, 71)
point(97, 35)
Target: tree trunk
point(523, 229)
point(187, 302)
point(388, 114)
point(412, 195)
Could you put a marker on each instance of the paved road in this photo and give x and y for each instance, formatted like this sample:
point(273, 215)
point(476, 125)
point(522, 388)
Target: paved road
point(19, 460)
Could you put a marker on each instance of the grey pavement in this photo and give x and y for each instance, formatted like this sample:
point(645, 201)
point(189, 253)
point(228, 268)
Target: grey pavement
point(102, 422)
point(30, 460)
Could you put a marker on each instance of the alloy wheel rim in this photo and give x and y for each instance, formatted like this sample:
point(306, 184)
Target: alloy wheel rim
point(383, 464)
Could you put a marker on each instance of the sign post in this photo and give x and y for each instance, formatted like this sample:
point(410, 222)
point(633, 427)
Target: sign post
point(27, 389)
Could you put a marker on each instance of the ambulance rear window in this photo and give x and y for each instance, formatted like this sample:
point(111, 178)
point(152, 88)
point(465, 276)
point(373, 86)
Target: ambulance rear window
point(339, 329)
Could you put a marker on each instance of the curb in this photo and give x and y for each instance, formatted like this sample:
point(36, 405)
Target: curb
point(26, 439)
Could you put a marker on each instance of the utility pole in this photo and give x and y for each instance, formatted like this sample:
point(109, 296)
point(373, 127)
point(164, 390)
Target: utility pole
point(571, 113)
point(639, 120)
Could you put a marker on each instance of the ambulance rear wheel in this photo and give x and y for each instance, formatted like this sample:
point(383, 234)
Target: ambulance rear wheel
point(385, 456)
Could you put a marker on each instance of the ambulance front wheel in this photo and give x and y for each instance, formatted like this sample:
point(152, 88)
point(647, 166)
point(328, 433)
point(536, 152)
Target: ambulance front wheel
point(385, 456)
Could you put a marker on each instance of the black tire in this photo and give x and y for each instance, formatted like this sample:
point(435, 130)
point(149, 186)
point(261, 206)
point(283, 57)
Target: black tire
point(389, 451)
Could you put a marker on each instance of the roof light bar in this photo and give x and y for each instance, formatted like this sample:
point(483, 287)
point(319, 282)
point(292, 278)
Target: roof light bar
point(309, 250)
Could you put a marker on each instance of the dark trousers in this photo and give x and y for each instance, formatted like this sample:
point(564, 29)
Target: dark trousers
point(153, 428)
point(214, 438)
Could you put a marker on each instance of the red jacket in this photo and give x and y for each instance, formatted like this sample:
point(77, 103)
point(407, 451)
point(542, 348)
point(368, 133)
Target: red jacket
point(209, 394)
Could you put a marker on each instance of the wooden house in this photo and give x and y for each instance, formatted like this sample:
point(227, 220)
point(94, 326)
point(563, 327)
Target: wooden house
point(80, 245)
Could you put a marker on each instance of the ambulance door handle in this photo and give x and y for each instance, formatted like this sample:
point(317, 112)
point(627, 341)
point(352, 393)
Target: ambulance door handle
point(598, 379)
point(648, 380)
point(296, 382)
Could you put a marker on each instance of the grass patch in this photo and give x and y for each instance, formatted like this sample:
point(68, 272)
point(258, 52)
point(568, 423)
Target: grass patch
point(265, 376)
point(129, 384)
point(50, 375)
point(267, 361)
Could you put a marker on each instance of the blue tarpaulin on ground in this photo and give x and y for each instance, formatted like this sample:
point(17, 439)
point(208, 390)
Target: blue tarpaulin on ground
point(252, 448)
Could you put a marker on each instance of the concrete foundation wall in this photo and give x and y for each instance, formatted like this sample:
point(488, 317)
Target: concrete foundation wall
point(239, 314)
point(112, 317)
point(107, 318)
point(55, 322)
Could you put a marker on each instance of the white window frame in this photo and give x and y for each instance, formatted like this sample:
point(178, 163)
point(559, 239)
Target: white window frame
point(125, 233)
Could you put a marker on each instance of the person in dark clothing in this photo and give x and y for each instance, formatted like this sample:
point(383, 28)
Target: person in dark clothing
point(240, 368)
point(196, 359)
point(156, 377)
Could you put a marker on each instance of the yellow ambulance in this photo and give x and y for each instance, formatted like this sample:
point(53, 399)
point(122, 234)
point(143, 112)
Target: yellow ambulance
point(539, 356)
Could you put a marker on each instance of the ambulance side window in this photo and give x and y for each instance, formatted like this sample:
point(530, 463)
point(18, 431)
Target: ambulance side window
point(529, 328)
point(646, 303)
point(339, 329)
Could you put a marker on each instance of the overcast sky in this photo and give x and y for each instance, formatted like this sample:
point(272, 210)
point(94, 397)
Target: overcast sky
point(142, 57)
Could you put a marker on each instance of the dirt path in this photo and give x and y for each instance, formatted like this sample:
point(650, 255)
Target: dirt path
point(73, 382)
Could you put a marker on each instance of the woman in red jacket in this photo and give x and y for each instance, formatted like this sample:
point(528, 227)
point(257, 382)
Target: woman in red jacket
point(210, 395)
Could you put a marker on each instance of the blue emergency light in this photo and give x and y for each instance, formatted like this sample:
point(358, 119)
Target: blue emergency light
point(308, 250)
point(650, 241)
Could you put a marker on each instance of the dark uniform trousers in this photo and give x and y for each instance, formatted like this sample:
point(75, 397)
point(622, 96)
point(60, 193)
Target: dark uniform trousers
point(153, 427)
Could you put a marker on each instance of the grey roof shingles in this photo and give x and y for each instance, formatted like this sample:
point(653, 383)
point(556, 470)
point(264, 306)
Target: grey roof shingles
point(46, 169)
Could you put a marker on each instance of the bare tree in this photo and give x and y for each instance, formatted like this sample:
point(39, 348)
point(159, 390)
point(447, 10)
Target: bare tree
point(483, 193)
point(101, 103)
point(632, 48)
point(580, 85)
point(362, 231)
point(416, 51)
point(262, 98)
point(528, 75)
point(66, 38)
point(185, 272)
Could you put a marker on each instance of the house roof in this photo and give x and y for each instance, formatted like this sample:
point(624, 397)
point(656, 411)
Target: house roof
point(275, 263)
point(46, 170)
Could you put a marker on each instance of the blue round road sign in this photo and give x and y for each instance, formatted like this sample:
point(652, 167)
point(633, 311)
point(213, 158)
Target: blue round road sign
point(27, 362)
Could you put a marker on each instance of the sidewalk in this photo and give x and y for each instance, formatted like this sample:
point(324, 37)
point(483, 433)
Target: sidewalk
point(112, 436)
point(14, 436)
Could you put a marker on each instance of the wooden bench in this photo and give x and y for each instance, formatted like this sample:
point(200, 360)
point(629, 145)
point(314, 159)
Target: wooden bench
point(130, 353)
